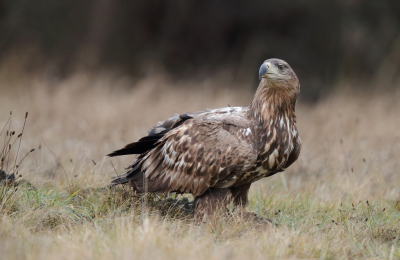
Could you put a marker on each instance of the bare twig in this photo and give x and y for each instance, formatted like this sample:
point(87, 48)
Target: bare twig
point(9, 118)
point(8, 132)
point(7, 144)
point(20, 140)
point(8, 157)
point(114, 168)
point(17, 165)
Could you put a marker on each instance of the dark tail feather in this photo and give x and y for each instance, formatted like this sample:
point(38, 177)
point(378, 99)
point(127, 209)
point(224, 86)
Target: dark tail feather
point(132, 174)
point(143, 145)
point(119, 180)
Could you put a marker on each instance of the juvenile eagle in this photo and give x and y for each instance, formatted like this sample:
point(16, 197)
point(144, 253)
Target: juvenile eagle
point(216, 154)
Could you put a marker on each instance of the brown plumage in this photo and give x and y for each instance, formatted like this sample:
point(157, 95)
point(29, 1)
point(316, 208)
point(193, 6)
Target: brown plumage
point(216, 154)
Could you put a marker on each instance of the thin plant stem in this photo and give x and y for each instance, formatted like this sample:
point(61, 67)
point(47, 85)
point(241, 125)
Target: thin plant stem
point(20, 140)
point(6, 124)
point(60, 163)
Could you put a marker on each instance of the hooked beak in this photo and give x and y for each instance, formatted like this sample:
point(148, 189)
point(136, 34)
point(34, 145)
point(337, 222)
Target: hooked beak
point(263, 71)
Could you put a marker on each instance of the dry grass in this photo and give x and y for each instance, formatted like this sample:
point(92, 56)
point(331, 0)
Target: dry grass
point(351, 154)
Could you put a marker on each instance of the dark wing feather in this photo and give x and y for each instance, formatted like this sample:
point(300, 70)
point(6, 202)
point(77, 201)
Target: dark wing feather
point(143, 145)
point(156, 133)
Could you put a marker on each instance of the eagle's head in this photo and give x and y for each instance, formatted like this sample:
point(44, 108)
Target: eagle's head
point(279, 74)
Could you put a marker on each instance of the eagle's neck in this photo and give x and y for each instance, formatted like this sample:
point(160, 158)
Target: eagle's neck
point(271, 101)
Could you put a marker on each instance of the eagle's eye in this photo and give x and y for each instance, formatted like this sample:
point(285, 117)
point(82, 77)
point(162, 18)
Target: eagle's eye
point(280, 66)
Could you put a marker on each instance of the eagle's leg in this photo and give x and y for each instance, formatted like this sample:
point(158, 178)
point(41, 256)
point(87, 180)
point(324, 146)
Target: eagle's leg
point(240, 195)
point(211, 202)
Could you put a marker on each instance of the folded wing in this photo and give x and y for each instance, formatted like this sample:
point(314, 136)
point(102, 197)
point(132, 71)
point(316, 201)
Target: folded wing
point(193, 156)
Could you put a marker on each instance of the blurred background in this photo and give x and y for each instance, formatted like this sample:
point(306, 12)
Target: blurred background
point(326, 42)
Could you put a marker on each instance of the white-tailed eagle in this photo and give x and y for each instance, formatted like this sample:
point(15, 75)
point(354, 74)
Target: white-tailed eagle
point(216, 154)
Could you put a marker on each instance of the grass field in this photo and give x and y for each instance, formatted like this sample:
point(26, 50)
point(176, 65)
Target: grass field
point(340, 200)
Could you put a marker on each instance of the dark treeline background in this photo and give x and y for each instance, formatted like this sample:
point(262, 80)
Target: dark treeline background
point(324, 41)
